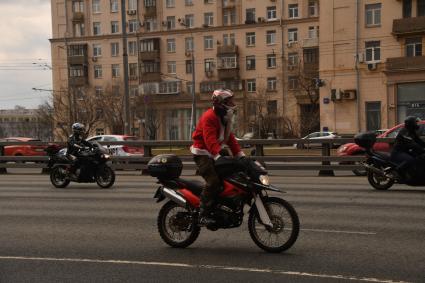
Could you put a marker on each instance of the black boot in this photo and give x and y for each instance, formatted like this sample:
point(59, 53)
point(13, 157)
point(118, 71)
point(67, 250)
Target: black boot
point(205, 210)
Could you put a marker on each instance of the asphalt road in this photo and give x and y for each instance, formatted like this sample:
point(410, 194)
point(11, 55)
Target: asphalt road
point(349, 232)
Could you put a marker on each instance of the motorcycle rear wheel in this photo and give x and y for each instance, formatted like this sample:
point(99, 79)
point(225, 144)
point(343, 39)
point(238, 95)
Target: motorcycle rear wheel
point(58, 177)
point(176, 226)
point(105, 177)
point(286, 225)
point(380, 183)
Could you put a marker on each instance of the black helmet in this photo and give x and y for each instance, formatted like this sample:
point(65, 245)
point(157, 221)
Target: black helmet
point(78, 128)
point(411, 123)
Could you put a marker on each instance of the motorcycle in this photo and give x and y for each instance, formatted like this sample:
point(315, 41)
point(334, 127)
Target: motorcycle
point(273, 223)
point(93, 166)
point(382, 172)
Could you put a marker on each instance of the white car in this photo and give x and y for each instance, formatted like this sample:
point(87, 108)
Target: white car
point(118, 150)
point(314, 137)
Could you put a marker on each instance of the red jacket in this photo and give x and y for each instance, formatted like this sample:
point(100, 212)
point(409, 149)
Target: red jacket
point(211, 135)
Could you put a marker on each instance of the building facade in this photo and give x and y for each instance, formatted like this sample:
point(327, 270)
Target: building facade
point(371, 63)
point(262, 50)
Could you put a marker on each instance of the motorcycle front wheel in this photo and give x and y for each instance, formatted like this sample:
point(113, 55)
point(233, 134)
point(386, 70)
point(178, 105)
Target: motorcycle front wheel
point(105, 177)
point(176, 226)
point(58, 177)
point(284, 232)
point(379, 182)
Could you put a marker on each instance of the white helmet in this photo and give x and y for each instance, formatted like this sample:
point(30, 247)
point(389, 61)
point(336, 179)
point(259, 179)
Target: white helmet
point(221, 96)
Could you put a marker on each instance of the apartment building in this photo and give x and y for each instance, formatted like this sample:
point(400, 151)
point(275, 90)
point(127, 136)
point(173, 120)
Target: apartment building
point(371, 63)
point(262, 50)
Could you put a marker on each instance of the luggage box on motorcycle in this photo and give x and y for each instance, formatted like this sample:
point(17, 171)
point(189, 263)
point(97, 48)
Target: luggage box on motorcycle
point(165, 166)
point(365, 140)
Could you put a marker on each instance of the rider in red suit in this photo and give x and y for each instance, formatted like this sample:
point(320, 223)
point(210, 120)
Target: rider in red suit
point(212, 133)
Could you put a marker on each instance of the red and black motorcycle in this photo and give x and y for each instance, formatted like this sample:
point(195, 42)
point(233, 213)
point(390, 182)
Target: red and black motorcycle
point(273, 223)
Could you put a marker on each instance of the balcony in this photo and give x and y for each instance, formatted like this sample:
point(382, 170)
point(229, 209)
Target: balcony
point(226, 74)
point(78, 17)
point(150, 77)
point(150, 12)
point(311, 42)
point(409, 26)
point(77, 60)
point(227, 50)
point(149, 55)
point(78, 81)
point(405, 64)
point(210, 86)
point(228, 4)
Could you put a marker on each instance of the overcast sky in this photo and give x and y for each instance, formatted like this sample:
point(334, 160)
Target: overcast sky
point(25, 29)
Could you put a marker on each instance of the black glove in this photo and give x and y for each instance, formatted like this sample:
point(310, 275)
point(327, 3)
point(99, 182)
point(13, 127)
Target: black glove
point(224, 152)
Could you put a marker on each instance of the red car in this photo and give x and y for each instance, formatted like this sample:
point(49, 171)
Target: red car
point(350, 149)
point(24, 150)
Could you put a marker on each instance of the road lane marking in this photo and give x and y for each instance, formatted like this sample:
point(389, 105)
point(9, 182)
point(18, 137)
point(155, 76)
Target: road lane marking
point(339, 231)
point(200, 266)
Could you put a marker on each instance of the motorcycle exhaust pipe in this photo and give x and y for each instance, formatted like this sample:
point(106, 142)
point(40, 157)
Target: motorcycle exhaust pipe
point(171, 194)
point(374, 169)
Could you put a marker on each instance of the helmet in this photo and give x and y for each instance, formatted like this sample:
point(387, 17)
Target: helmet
point(223, 98)
point(411, 123)
point(78, 128)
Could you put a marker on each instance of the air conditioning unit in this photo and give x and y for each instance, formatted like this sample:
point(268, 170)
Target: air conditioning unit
point(361, 57)
point(188, 53)
point(349, 94)
point(94, 59)
point(261, 19)
point(372, 66)
point(131, 12)
point(290, 44)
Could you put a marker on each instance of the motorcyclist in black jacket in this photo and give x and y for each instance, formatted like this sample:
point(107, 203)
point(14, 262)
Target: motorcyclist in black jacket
point(76, 142)
point(408, 149)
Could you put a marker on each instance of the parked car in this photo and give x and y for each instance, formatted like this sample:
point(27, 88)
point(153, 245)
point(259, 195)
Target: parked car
point(24, 150)
point(352, 149)
point(118, 150)
point(314, 139)
point(246, 136)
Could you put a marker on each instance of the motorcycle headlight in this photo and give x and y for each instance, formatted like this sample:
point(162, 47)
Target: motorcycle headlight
point(264, 179)
point(106, 156)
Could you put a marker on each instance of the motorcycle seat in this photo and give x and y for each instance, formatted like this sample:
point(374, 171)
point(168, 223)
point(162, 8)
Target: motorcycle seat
point(383, 154)
point(194, 186)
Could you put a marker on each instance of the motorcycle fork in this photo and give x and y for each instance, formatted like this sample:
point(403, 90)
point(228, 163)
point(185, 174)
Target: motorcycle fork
point(262, 212)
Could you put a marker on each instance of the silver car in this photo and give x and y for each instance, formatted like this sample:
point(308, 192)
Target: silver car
point(314, 139)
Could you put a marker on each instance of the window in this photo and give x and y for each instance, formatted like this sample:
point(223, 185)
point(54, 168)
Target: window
point(115, 49)
point(171, 45)
point(227, 62)
point(407, 8)
point(209, 65)
point(293, 11)
point(115, 70)
point(147, 45)
point(208, 1)
point(373, 15)
point(189, 67)
point(250, 39)
point(97, 50)
point(229, 39)
point(149, 67)
point(167, 87)
point(189, 87)
point(373, 116)
point(171, 67)
point(229, 17)
point(271, 13)
point(132, 70)
point(292, 35)
point(271, 37)
point(293, 59)
point(78, 29)
point(114, 27)
point(208, 19)
point(132, 5)
point(76, 71)
point(96, 6)
point(293, 82)
point(114, 6)
point(271, 84)
point(313, 32)
point(311, 55)
point(251, 85)
point(421, 8)
point(150, 3)
point(250, 62)
point(96, 28)
point(188, 43)
point(98, 71)
point(133, 25)
point(78, 6)
point(132, 48)
point(272, 107)
point(413, 47)
point(115, 91)
point(100, 131)
point(313, 8)
point(188, 2)
point(373, 51)
point(208, 42)
point(150, 24)
point(271, 61)
point(188, 20)
point(170, 3)
point(171, 22)
point(98, 90)
point(134, 90)
point(250, 16)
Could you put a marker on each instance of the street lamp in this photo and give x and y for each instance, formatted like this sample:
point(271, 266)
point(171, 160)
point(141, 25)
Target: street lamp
point(193, 113)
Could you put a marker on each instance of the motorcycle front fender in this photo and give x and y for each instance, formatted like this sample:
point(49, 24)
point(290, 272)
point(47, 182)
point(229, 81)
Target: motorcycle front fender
point(159, 195)
point(262, 212)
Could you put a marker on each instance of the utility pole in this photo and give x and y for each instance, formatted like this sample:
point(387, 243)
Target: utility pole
point(127, 129)
point(193, 118)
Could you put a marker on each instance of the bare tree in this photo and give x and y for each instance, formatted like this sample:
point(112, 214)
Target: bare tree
point(148, 112)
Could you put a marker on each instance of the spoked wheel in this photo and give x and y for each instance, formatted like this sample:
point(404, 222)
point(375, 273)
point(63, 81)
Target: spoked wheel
point(379, 182)
point(105, 177)
point(59, 177)
point(177, 226)
point(284, 232)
